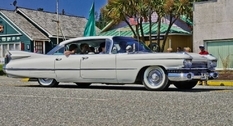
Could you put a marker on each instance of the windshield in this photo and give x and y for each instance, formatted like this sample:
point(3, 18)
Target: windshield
point(122, 42)
point(56, 50)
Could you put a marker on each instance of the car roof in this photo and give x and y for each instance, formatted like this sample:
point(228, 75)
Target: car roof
point(86, 38)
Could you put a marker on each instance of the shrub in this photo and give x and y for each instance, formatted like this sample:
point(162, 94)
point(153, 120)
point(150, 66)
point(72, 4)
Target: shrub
point(226, 62)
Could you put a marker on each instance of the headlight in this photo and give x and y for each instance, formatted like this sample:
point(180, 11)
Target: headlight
point(213, 63)
point(187, 63)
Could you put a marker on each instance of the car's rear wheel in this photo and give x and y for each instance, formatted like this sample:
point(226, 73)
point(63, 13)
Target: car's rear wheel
point(47, 82)
point(83, 85)
point(185, 85)
point(155, 78)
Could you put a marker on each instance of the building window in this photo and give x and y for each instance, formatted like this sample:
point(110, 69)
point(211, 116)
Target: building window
point(17, 46)
point(5, 46)
point(11, 47)
point(38, 47)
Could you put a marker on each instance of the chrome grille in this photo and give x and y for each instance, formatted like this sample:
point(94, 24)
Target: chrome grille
point(199, 65)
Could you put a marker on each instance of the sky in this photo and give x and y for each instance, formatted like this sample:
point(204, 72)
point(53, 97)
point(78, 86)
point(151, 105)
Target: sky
point(71, 7)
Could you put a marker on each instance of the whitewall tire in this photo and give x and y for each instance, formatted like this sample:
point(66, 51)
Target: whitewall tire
point(155, 78)
point(47, 82)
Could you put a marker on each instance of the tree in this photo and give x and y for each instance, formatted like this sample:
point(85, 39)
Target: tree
point(117, 11)
point(174, 9)
point(101, 21)
point(121, 10)
point(158, 7)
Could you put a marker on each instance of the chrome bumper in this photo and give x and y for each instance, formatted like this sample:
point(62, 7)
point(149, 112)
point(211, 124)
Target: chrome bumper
point(213, 75)
point(190, 76)
point(180, 76)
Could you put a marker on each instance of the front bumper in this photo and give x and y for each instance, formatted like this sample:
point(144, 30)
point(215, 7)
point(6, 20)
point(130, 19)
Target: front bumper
point(192, 76)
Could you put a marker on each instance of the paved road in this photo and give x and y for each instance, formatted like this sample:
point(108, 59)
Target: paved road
point(27, 104)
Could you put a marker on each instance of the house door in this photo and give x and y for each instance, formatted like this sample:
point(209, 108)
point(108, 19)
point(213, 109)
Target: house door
point(39, 47)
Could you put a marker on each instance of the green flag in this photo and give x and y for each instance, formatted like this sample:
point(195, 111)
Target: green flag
point(90, 26)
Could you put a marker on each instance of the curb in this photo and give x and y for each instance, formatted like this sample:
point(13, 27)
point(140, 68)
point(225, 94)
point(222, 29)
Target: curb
point(220, 83)
point(28, 79)
point(25, 79)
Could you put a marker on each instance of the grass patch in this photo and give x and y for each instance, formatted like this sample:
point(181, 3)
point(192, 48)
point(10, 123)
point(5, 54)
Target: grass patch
point(1, 65)
point(1, 71)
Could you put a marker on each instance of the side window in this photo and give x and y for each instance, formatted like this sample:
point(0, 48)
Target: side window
point(60, 51)
point(119, 47)
point(90, 46)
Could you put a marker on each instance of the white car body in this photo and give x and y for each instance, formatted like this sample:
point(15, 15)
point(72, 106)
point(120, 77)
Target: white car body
point(112, 67)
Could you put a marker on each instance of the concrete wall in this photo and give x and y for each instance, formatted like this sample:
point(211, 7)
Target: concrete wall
point(212, 21)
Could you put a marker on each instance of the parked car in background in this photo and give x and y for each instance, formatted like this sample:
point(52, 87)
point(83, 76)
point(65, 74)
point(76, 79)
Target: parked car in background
point(125, 61)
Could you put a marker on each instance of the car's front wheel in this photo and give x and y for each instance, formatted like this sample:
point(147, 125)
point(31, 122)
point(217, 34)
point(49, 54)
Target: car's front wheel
point(155, 78)
point(83, 85)
point(47, 82)
point(185, 85)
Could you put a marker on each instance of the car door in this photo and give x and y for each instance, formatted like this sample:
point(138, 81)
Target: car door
point(100, 67)
point(67, 69)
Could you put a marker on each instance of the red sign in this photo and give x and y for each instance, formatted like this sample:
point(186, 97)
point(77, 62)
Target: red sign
point(133, 21)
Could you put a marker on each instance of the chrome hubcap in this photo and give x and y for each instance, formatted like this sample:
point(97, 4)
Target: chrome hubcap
point(155, 77)
point(45, 81)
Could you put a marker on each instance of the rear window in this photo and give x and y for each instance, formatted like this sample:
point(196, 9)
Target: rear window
point(122, 42)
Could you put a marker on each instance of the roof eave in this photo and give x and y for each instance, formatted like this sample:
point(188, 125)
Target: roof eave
point(49, 35)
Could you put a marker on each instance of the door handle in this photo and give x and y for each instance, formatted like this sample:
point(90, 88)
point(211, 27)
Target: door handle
point(84, 58)
point(58, 59)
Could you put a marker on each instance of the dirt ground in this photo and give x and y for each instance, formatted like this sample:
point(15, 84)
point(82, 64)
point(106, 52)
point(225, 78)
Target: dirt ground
point(225, 75)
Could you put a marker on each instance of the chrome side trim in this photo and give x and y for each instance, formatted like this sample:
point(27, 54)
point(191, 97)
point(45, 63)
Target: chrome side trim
point(52, 69)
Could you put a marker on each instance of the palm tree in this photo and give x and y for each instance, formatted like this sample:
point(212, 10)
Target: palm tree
point(174, 9)
point(122, 10)
point(119, 10)
point(158, 7)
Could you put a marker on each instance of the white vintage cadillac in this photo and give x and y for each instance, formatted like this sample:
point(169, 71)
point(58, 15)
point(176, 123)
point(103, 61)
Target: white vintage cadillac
point(125, 61)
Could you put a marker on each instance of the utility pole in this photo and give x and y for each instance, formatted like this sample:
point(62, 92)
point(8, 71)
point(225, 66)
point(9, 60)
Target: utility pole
point(57, 24)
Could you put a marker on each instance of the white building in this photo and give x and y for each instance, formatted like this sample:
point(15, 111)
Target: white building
point(213, 27)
